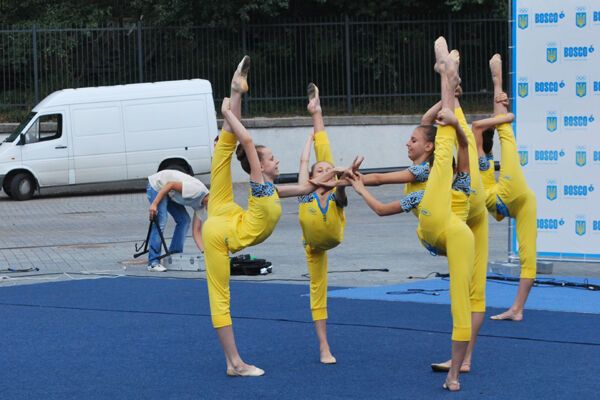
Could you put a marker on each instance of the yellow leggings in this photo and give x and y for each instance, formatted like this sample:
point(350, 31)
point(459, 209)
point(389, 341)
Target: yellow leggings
point(520, 200)
point(322, 239)
point(477, 220)
point(317, 269)
point(441, 230)
point(230, 228)
point(479, 225)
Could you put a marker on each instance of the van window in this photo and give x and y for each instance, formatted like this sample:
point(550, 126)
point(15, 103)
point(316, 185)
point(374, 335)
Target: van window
point(46, 127)
point(19, 128)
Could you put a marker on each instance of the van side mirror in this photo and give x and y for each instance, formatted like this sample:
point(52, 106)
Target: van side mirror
point(21, 141)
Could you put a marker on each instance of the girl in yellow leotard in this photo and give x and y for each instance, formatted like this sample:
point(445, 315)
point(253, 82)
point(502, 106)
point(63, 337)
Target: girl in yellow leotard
point(509, 196)
point(230, 228)
point(469, 208)
point(440, 230)
point(477, 221)
point(321, 216)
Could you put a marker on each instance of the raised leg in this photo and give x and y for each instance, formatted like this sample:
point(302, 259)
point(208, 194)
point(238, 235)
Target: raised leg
point(221, 186)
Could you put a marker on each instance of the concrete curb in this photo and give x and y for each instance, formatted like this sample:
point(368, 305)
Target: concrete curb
point(287, 122)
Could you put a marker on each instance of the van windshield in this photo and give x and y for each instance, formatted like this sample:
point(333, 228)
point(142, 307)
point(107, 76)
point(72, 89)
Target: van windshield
point(19, 128)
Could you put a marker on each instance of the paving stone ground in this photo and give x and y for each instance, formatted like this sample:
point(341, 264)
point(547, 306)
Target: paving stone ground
point(88, 234)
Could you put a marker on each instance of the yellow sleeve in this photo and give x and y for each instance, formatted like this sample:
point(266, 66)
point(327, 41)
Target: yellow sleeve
point(322, 147)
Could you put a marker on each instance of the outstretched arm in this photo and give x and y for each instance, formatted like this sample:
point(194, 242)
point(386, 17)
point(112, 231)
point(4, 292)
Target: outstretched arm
point(305, 188)
point(321, 141)
point(305, 159)
point(489, 123)
point(429, 117)
point(379, 207)
point(386, 178)
point(243, 136)
point(382, 178)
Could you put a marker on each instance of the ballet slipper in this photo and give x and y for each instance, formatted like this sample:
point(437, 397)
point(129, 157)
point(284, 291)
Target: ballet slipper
point(328, 359)
point(251, 370)
point(314, 103)
point(508, 316)
point(312, 91)
point(451, 386)
point(239, 82)
point(445, 367)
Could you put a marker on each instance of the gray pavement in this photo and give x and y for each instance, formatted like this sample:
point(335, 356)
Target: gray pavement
point(90, 235)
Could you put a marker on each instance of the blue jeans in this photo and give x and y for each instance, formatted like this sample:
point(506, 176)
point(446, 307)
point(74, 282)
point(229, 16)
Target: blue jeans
point(182, 221)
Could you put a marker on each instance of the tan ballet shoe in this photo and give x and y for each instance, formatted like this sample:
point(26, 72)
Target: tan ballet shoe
point(451, 386)
point(314, 103)
point(239, 82)
point(250, 371)
point(312, 91)
point(328, 359)
point(508, 316)
point(445, 367)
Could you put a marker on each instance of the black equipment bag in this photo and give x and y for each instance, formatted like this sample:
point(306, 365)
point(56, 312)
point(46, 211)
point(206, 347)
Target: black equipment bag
point(244, 264)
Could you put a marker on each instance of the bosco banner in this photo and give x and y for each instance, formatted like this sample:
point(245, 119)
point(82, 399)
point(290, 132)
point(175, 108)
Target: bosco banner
point(556, 98)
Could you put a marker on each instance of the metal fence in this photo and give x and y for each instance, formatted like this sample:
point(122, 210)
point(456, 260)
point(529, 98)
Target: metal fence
point(361, 67)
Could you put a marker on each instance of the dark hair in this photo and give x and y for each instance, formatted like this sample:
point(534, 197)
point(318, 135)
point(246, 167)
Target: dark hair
point(488, 140)
point(240, 153)
point(429, 131)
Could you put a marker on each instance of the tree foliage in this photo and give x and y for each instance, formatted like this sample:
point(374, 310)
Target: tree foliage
point(221, 13)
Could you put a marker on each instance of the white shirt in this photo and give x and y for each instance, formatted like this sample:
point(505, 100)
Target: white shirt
point(192, 193)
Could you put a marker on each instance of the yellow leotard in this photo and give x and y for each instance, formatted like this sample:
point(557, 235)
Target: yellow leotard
point(322, 230)
point(511, 197)
point(441, 231)
point(477, 219)
point(230, 228)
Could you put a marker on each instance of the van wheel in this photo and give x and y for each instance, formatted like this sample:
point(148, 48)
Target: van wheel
point(177, 167)
point(22, 187)
point(6, 188)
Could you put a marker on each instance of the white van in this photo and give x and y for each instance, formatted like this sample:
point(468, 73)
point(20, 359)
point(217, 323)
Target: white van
point(111, 133)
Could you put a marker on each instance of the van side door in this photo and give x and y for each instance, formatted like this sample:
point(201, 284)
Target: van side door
point(45, 149)
point(98, 142)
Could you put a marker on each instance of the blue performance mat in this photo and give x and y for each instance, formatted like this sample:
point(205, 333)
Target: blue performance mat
point(134, 338)
point(499, 294)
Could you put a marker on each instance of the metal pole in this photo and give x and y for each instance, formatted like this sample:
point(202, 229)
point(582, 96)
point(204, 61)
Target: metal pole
point(511, 80)
point(36, 83)
point(140, 52)
point(348, 68)
point(509, 55)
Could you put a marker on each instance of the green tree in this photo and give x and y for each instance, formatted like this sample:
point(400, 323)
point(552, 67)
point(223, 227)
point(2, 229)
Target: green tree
point(222, 13)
